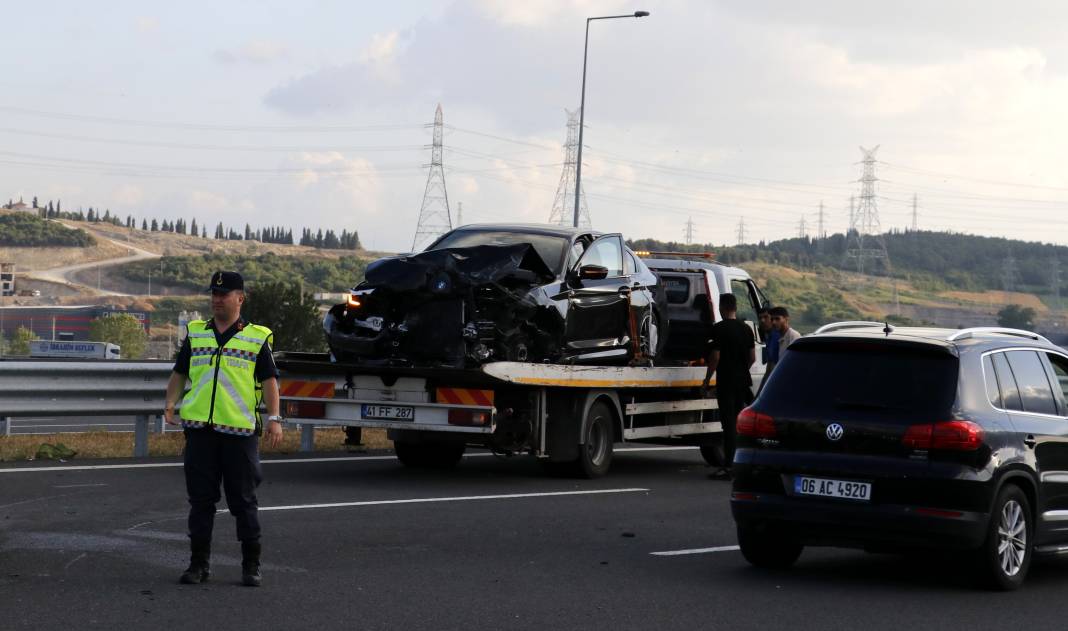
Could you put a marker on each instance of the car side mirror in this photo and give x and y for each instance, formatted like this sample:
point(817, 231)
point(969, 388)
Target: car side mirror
point(592, 272)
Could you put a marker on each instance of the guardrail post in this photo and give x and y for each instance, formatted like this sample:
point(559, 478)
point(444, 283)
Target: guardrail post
point(307, 438)
point(5, 426)
point(141, 436)
point(158, 425)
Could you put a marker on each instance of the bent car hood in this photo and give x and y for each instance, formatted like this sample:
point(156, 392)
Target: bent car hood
point(465, 267)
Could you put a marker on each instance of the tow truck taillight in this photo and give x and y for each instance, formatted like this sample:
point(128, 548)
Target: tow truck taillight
point(475, 418)
point(755, 424)
point(955, 435)
point(305, 409)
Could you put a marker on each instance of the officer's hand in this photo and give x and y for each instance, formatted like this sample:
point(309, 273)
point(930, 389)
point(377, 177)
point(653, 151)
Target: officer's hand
point(273, 436)
point(168, 415)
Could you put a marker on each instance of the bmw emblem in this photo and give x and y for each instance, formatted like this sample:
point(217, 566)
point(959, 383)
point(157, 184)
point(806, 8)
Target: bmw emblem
point(441, 285)
point(835, 431)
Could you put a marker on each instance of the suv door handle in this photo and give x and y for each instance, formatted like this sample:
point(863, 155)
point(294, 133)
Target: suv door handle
point(1030, 441)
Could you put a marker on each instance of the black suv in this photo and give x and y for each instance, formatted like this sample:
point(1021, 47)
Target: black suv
point(888, 438)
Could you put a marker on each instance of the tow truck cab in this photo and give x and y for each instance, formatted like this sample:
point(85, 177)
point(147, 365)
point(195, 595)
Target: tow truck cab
point(692, 284)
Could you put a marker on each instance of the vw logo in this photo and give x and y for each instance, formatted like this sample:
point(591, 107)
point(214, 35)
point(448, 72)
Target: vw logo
point(835, 431)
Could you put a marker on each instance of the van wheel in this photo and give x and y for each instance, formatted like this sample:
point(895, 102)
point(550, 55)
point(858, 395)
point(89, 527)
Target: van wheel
point(768, 548)
point(1005, 557)
point(595, 452)
point(429, 455)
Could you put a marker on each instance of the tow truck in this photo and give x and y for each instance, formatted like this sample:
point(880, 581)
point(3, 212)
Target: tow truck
point(567, 416)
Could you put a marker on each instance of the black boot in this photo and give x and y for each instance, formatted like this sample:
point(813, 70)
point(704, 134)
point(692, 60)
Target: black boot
point(199, 570)
point(250, 563)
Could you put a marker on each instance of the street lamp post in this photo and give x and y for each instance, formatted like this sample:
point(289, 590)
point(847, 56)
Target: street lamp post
point(582, 104)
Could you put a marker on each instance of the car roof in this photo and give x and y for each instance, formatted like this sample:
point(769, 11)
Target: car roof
point(529, 228)
point(977, 338)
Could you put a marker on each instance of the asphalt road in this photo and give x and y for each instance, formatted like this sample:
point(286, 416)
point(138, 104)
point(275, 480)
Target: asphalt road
point(345, 545)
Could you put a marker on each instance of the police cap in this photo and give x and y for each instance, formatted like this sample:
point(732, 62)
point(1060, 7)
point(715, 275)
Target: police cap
point(225, 282)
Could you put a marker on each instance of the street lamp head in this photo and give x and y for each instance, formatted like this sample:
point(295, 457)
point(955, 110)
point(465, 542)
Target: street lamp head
point(641, 14)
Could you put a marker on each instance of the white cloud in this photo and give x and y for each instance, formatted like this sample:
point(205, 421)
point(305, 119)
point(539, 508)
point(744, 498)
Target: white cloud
point(259, 51)
point(128, 195)
point(146, 24)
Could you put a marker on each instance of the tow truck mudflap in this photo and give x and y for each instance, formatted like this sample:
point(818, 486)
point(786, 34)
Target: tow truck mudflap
point(404, 415)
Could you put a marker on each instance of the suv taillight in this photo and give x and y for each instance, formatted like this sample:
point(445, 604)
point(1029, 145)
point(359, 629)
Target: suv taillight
point(956, 435)
point(755, 424)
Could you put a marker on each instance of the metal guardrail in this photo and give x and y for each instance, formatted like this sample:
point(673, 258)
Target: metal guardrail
point(63, 387)
point(42, 387)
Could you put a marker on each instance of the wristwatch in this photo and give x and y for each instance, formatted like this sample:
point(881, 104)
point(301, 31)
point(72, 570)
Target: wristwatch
point(276, 418)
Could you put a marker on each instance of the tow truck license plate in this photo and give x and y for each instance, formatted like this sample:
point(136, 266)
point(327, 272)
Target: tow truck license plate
point(845, 489)
point(388, 412)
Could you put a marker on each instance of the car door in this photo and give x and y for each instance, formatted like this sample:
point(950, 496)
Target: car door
point(748, 299)
point(1028, 397)
point(598, 307)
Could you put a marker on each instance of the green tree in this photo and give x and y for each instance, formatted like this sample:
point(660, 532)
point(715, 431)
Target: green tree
point(122, 329)
point(294, 318)
point(1017, 317)
point(20, 341)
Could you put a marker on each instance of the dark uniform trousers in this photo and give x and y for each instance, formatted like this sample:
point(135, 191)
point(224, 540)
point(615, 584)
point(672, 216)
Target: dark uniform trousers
point(212, 458)
point(732, 400)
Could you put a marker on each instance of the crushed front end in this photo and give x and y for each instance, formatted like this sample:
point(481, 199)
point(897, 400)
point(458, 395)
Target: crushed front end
point(455, 307)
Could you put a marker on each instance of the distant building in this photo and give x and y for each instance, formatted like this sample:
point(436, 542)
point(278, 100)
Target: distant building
point(20, 205)
point(7, 279)
point(184, 318)
point(62, 323)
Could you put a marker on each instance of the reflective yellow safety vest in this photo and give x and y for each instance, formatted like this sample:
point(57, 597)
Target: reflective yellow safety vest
point(224, 391)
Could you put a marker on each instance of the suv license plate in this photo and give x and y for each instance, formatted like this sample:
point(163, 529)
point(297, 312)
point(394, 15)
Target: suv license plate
point(844, 489)
point(388, 412)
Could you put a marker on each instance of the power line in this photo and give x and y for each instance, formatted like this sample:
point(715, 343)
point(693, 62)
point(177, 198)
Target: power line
point(688, 231)
point(206, 126)
point(741, 230)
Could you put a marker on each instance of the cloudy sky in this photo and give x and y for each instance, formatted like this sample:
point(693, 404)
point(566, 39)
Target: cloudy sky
point(316, 113)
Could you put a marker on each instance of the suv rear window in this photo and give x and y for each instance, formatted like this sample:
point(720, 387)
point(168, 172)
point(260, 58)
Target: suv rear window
point(861, 379)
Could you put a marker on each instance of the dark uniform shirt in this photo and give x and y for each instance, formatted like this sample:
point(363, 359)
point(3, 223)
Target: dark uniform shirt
point(733, 339)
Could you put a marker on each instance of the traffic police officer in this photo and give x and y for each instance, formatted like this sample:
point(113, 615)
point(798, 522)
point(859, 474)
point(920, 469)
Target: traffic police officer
point(230, 369)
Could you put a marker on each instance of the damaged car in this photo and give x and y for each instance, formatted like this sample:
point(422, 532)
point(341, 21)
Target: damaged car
point(496, 292)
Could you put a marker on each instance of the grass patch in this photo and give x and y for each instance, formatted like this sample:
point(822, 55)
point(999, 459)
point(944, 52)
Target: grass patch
point(91, 445)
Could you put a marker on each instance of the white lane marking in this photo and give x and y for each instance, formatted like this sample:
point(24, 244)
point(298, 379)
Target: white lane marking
point(156, 465)
point(425, 500)
point(74, 486)
point(75, 560)
point(675, 553)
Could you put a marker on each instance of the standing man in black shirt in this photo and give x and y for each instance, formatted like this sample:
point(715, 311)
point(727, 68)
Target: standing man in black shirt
point(228, 364)
point(732, 350)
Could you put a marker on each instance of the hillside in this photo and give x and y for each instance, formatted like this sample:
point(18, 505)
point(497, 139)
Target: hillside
point(21, 229)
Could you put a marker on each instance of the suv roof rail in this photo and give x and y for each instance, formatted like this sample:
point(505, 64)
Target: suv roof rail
point(995, 330)
point(851, 324)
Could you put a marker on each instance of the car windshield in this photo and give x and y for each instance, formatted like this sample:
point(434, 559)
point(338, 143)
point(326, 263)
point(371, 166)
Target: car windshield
point(548, 247)
point(862, 379)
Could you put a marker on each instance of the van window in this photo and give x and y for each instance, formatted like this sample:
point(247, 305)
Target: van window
point(676, 289)
point(1010, 393)
point(746, 309)
point(993, 393)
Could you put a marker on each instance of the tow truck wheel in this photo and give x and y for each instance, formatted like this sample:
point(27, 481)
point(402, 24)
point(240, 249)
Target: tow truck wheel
point(428, 455)
point(595, 452)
